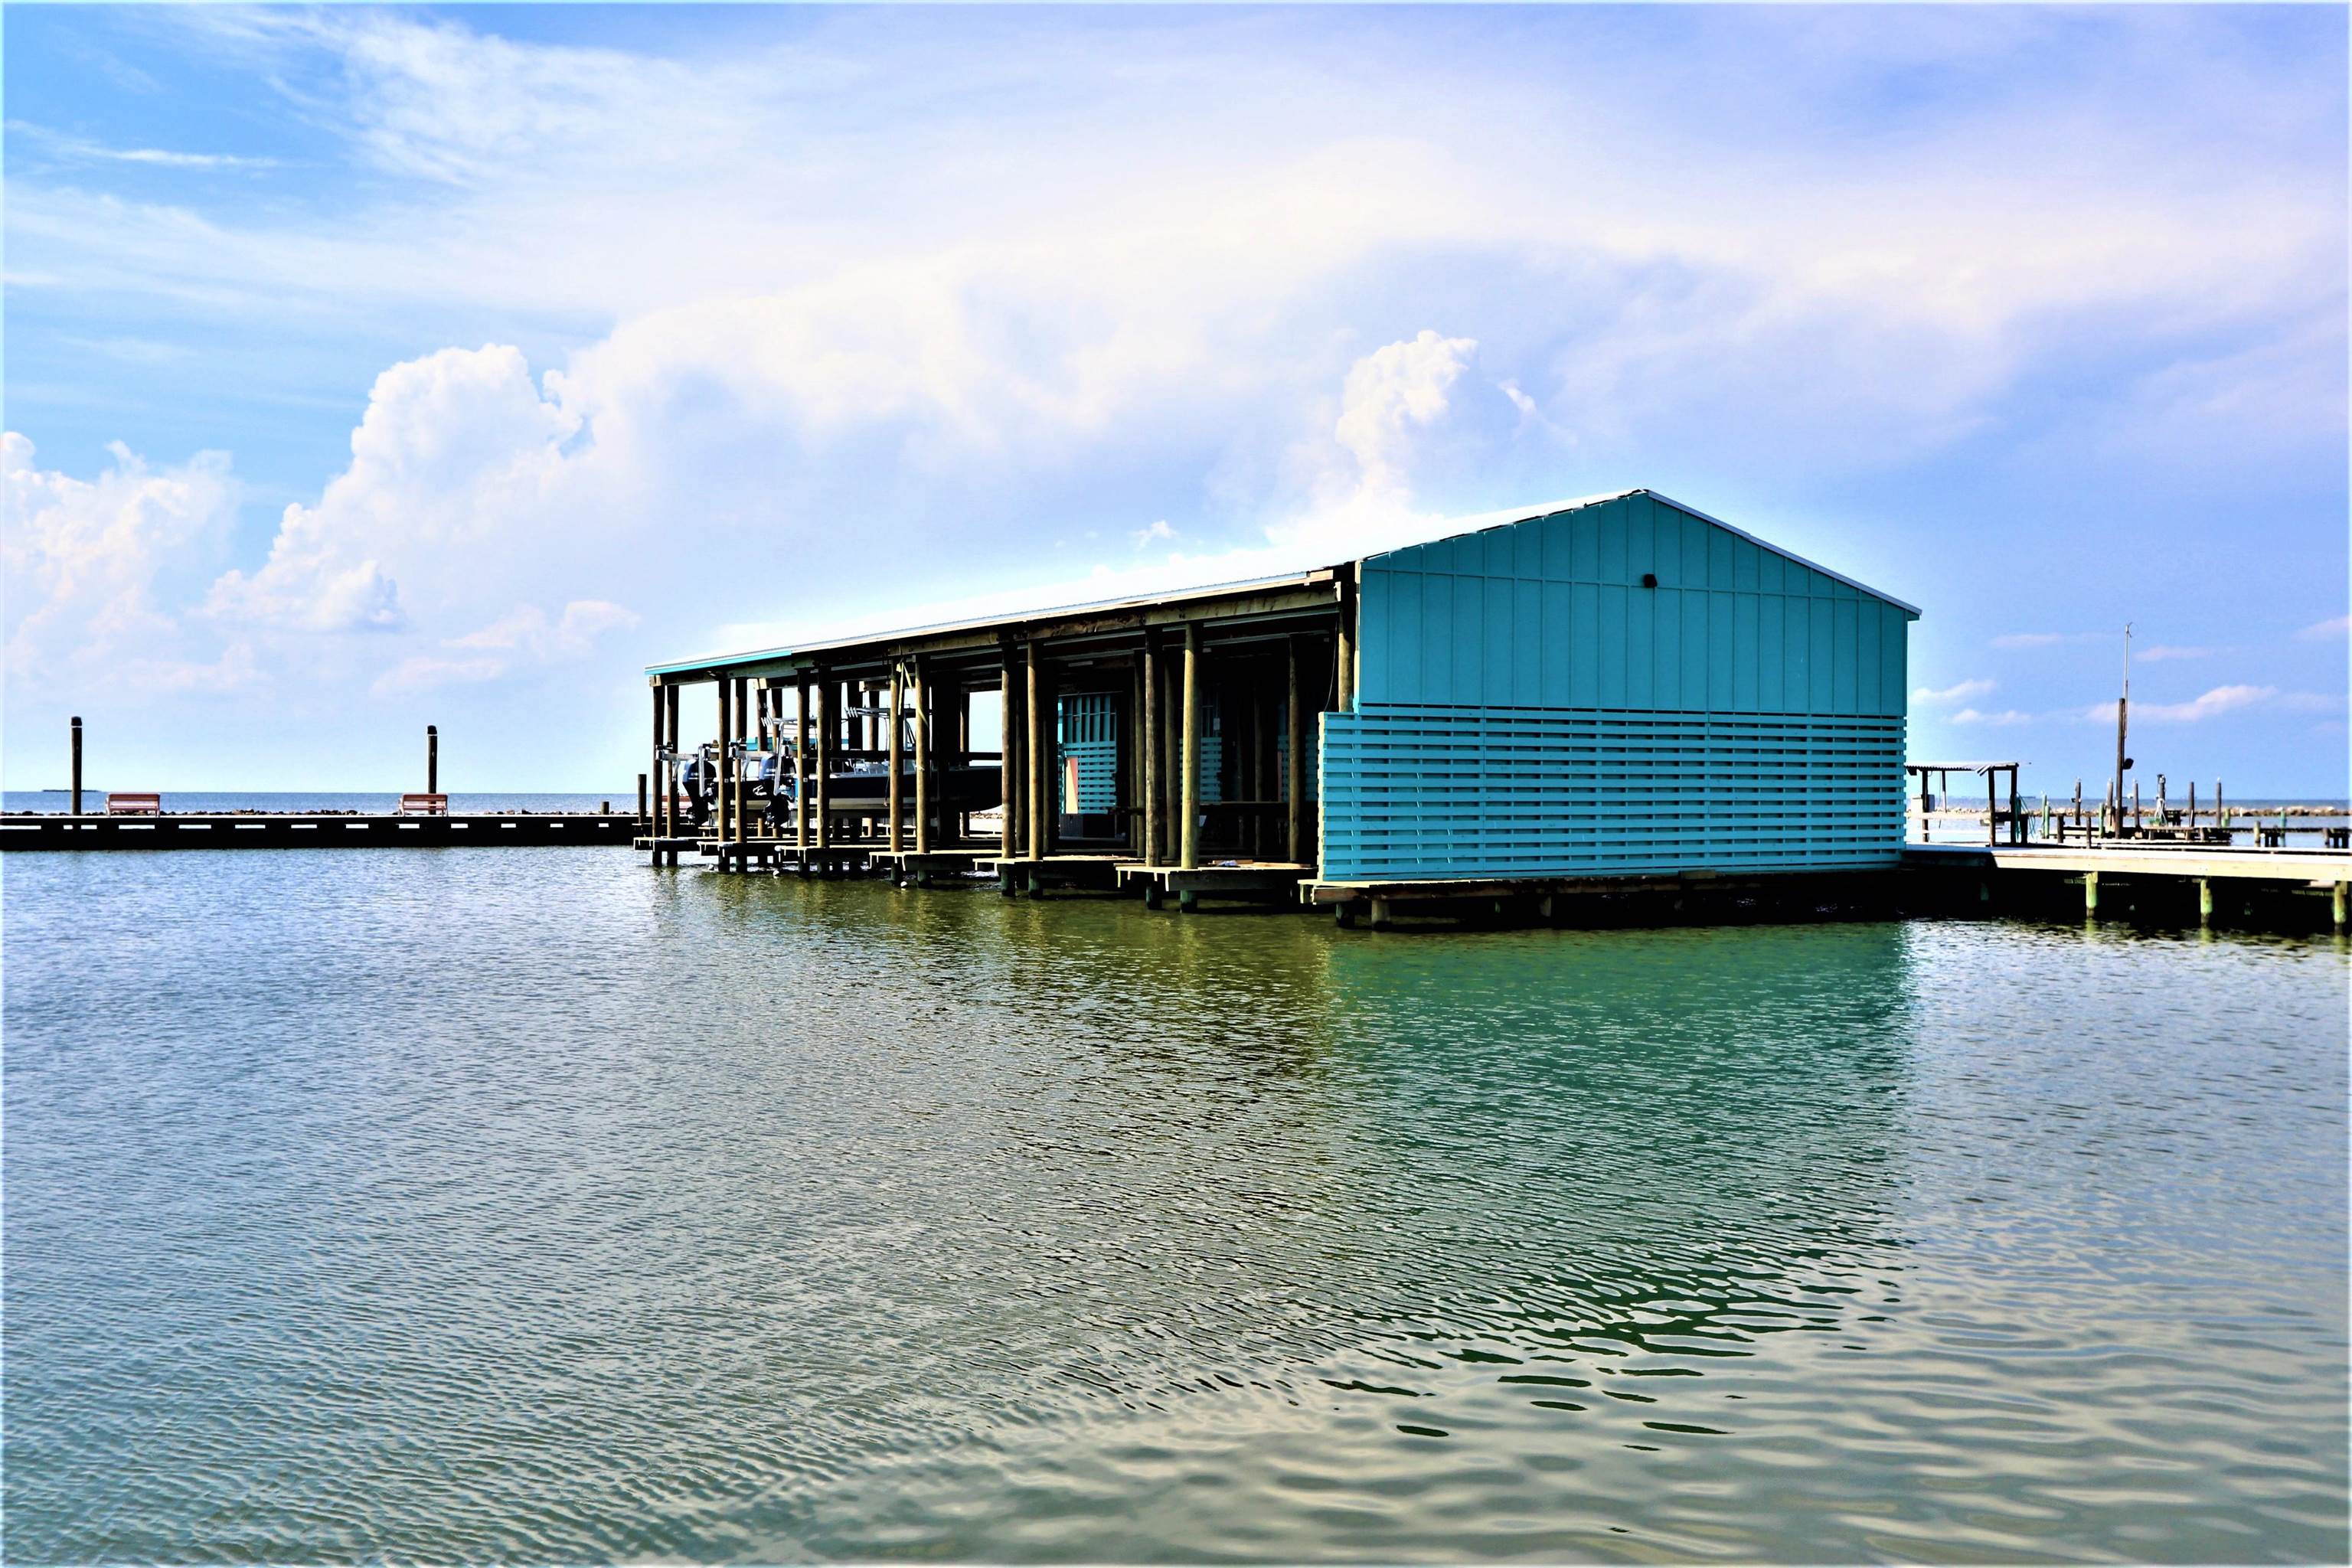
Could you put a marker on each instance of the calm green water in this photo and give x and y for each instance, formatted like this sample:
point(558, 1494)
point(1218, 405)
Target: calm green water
point(535, 1204)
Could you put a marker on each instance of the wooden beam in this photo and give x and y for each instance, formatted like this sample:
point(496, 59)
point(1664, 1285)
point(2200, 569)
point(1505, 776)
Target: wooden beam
point(1344, 650)
point(1189, 831)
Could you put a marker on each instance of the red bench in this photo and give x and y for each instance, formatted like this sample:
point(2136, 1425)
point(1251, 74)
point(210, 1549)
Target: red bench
point(423, 806)
point(132, 804)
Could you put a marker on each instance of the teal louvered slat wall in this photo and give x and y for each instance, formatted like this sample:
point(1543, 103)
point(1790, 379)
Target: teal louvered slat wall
point(1418, 794)
point(1088, 724)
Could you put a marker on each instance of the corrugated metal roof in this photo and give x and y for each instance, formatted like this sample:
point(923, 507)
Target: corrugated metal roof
point(1294, 565)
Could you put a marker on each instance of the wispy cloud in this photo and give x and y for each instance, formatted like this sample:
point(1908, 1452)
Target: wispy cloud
point(2324, 631)
point(2161, 652)
point(2005, 717)
point(75, 149)
point(2217, 702)
point(1959, 691)
point(2014, 640)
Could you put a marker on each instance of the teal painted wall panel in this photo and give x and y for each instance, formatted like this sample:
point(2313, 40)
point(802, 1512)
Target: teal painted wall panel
point(1529, 708)
point(1731, 626)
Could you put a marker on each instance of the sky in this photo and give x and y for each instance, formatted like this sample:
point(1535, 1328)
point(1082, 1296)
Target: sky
point(367, 368)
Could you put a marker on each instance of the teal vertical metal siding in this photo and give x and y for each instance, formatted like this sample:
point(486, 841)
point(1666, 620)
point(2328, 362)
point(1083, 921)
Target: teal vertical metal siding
point(1528, 707)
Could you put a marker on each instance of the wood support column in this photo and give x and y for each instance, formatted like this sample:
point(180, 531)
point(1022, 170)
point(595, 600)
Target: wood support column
point(1189, 789)
point(1293, 783)
point(802, 730)
point(718, 777)
point(1343, 650)
point(735, 764)
point(653, 823)
point(923, 714)
point(669, 772)
point(1154, 840)
point(1008, 763)
point(1040, 754)
point(828, 715)
point(898, 804)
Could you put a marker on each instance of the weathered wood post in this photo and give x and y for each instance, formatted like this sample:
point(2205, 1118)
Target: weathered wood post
point(642, 821)
point(1040, 758)
point(669, 791)
point(801, 731)
point(1293, 783)
point(718, 791)
point(826, 720)
point(1008, 776)
point(2204, 900)
point(2342, 888)
point(432, 761)
point(735, 769)
point(1189, 786)
point(922, 759)
point(2090, 895)
point(1154, 845)
point(73, 732)
point(897, 723)
point(653, 823)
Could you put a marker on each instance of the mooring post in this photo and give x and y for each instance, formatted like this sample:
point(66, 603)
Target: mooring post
point(432, 761)
point(2204, 900)
point(2091, 895)
point(922, 694)
point(1189, 831)
point(818, 763)
point(2342, 888)
point(669, 790)
point(74, 732)
point(642, 827)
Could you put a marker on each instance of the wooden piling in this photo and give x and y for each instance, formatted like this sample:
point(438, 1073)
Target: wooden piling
point(2204, 900)
point(1147, 680)
point(2090, 895)
point(803, 730)
point(735, 767)
point(73, 732)
point(432, 761)
point(644, 824)
point(2342, 890)
point(669, 791)
point(719, 790)
point(1040, 751)
point(1293, 783)
point(922, 760)
point(1189, 830)
point(821, 763)
point(898, 804)
point(653, 823)
point(1007, 763)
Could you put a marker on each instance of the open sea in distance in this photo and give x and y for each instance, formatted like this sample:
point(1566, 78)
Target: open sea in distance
point(439, 1205)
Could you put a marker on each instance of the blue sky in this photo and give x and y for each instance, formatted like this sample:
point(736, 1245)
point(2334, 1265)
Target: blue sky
point(367, 368)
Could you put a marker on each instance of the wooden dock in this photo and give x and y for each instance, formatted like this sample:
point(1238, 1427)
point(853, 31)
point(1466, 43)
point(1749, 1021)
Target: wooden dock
point(2252, 885)
point(239, 831)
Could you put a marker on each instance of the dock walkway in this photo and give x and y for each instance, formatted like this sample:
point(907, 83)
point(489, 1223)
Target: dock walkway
point(237, 831)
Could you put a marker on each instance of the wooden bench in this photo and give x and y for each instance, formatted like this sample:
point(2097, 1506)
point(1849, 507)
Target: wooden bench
point(133, 804)
point(423, 806)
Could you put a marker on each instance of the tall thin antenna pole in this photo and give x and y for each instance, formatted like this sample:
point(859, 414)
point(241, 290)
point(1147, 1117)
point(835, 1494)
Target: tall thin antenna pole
point(2123, 723)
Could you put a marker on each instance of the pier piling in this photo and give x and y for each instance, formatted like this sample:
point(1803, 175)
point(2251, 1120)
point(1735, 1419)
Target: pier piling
point(432, 762)
point(74, 731)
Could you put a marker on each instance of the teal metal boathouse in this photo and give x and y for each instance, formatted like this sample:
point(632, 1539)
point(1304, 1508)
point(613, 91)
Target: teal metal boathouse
point(1619, 687)
point(1626, 686)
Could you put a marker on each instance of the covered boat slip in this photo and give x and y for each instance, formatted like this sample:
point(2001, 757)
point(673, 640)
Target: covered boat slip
point(1610, 691)
point(871, 745)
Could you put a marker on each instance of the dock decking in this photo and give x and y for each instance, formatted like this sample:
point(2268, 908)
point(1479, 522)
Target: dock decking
point(250, 831)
